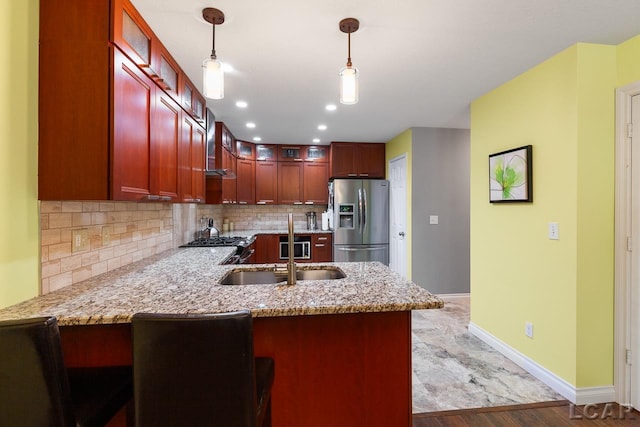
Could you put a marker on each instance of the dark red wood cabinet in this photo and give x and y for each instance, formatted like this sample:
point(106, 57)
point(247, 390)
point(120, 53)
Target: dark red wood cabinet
point(357, 160)
point(316, 178)
point(290, 183)
point(110, 118)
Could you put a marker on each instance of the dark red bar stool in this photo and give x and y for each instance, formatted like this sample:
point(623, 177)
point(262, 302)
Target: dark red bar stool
point(199, 370)
point(36, 390)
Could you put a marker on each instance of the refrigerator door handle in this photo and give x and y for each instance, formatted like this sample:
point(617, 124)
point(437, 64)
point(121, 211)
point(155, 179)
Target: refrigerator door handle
point(360, 209)
point(360, 249)
point(364, 209)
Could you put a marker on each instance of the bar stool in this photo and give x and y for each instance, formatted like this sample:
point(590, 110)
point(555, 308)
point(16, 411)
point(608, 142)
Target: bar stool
point(36, 390)
point(199, 370)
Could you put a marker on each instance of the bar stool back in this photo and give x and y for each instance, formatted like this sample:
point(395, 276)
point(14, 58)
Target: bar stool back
point(199, 370)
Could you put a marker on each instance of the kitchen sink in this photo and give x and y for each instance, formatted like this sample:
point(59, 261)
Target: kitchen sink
point(264, 277)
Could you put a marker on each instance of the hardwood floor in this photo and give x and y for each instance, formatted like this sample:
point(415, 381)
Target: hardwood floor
point(545, 414)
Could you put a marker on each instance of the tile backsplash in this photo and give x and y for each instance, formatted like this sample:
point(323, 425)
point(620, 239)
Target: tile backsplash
point(263, 217)
point(119, 233)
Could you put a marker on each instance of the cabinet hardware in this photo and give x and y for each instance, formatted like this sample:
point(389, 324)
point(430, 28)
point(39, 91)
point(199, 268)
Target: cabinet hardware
point(308, 203)
point(297, 203)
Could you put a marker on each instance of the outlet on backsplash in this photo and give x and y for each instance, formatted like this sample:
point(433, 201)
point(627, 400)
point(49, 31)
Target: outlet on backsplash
point(80, 240)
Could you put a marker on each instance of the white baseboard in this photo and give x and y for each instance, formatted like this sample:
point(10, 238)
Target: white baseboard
point(579, 396)
point(453, 297)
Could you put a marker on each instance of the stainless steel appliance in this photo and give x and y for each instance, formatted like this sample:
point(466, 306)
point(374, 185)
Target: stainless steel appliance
point(301, 247)
point(244, 247)
point(361, 220)
point(312, 223)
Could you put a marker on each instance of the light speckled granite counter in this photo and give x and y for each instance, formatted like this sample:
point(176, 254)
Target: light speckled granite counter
point(186, 281)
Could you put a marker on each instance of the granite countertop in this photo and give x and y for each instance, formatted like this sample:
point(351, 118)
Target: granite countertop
point(186, 281)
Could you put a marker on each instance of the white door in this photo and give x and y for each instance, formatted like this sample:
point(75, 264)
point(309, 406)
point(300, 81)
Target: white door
point(633, 309)
point(398, 241)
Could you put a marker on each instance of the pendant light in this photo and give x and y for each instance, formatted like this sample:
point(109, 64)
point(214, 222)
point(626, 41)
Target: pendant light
point(212, 73)
point(349, 74)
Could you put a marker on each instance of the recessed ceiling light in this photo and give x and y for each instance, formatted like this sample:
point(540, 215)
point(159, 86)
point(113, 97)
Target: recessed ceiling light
point(257, 139)
point(241, 104)
point(331, 107)
point(251, 125)
point(322, 127)
point(316, 140)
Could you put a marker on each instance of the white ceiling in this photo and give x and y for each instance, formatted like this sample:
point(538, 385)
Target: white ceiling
point(421, 62)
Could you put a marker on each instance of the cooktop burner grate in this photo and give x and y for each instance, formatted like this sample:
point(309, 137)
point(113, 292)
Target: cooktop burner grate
point(216, 241)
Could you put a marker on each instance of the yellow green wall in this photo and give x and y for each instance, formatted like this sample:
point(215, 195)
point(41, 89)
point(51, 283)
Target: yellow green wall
point(564, 107)
point(628, 62)
point(19, 236)
point(399, 145)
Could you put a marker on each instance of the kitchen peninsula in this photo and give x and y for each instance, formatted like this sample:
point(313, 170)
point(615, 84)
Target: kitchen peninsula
point(342, 347)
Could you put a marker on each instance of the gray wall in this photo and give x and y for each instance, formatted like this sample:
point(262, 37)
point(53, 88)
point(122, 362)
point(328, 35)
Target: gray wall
point(440, 186)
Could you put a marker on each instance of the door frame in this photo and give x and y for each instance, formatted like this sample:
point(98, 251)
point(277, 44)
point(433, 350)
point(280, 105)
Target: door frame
point(407, 217)
point(623, 233)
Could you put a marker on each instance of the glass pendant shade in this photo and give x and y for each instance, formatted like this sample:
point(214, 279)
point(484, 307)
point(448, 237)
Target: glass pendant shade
point(348, 85)
point(213, 79)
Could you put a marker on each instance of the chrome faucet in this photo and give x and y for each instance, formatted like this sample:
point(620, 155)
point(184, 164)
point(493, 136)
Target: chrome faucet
point(291, 264)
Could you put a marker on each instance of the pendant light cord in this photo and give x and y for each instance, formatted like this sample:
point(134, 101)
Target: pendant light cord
point(349, 50)
point(213, 48)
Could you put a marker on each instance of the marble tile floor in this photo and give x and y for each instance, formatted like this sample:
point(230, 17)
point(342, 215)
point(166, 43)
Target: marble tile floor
point(453, 369)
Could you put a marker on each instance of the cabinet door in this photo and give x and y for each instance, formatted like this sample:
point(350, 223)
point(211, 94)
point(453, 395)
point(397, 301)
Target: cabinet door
point(267, 249)
point(133, 96)
point(168, 72)
point(266, 152)
point(290, 183)
point(245, 150)
point(291, 153)
point(198, 148)
point(370, 160)
point(316, 179)
point(266, 182)
point(229, 194)
point(165, 139)
point(191, 156)
point(133, 36)
point(316, 153)
point(322, 248)
point(245, 182)
point(342, 160)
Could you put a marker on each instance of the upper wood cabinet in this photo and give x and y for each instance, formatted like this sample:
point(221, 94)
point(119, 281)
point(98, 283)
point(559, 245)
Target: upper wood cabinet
point(130, 33)
point(110, 119)
point(265, 152)
point(192, 158)
point(266, 182)
point(290, 183)
point(245, 173)
point(316, 178)
point(317, 153)
point(363, 160)
point(245, 150)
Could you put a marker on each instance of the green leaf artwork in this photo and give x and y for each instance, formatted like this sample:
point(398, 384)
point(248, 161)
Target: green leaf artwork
point(508, 176)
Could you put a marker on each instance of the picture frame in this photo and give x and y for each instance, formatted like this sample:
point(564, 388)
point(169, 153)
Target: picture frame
point(511, 175)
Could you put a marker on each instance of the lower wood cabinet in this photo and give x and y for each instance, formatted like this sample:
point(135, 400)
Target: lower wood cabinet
point(322, 247)
point(268, 248)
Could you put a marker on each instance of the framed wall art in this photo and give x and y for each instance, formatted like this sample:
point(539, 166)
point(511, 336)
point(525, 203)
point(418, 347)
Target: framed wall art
point(510, 176)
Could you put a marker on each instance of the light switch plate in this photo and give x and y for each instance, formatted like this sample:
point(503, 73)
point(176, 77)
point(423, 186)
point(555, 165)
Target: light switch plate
point(554, 231)
point(433, 219)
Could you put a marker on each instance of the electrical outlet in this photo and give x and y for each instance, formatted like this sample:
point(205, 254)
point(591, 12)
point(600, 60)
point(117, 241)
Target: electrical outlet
point(554, 231)
point(528, 329)
point(107, 230)
point(79, 240)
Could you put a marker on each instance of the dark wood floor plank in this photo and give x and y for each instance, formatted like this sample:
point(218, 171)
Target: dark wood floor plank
point(545, 414)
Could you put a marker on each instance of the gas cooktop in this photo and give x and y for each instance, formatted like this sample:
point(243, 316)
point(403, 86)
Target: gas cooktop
point(218, 241)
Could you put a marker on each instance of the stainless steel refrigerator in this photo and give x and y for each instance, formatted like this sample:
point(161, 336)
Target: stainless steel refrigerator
point(361, 220)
